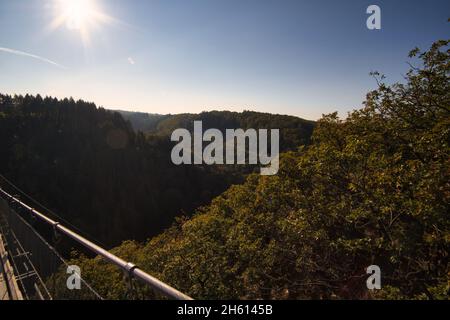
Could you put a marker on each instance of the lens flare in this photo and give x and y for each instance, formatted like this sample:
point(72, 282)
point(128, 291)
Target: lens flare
point(78, 13)
point(79, 16)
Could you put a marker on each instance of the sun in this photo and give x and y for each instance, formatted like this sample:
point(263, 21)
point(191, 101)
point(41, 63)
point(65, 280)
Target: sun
point(78, 13)
point(81, 16)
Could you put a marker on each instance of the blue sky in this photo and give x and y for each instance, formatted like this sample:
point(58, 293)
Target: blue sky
point(302, 58)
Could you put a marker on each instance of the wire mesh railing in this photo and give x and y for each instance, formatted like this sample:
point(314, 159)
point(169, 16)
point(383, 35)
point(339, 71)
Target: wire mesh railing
point(46, 260)
point(35, 260)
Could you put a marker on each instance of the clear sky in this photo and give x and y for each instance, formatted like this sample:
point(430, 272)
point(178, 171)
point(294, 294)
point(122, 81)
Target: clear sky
point(302, 58)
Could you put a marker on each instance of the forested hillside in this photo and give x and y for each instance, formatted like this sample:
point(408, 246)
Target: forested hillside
point(371, 189)
point(89, 166)
point(144, 122)
point(294, 131)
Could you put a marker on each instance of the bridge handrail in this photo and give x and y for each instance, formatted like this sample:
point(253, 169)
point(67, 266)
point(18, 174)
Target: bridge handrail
point(131, 269)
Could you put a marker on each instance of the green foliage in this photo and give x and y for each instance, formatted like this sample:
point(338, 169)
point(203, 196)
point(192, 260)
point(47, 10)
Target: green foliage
point(370, 189)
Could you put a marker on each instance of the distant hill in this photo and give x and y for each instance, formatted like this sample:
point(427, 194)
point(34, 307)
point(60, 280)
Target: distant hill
point(145, 122)
point(294, 131)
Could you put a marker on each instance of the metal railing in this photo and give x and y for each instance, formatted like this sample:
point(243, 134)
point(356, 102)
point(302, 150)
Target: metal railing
point(131, 269)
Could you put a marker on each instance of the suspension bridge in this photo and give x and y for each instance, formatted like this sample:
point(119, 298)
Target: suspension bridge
point(30, 258)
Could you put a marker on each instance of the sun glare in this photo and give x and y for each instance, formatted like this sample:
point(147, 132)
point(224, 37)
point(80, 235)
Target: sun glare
point(78, 15)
